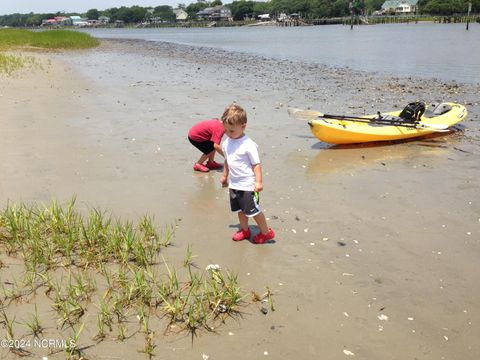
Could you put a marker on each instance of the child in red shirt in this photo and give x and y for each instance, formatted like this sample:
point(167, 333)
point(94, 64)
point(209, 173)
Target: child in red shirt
point(206, 137)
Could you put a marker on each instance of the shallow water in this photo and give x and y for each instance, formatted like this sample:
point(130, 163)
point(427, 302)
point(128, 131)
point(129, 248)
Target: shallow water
point(426, 50)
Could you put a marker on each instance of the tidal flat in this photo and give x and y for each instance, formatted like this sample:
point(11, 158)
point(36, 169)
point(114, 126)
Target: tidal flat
point(377, 245)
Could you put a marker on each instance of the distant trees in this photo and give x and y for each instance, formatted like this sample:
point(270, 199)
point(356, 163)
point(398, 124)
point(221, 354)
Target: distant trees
point(92, 14)
point(341, 8)
point(338, 8)
point(261, 8)
point(285, 6)
point(19, 20)
point(33, 20)
point(134, 14)
point(242, 9)
point(373, 5)
point(475, 6)
point(448, 7)
point(165, 13)
point(194, 8)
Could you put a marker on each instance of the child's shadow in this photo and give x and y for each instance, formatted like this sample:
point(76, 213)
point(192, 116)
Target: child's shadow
point(219, 170)
point(254, 230)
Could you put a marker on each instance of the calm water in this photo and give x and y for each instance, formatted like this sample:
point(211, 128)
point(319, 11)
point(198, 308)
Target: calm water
point(443, 51)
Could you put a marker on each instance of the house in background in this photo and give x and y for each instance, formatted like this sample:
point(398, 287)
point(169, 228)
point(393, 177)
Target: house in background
point(49, 22)
point(78, 21)
point(104, 19)
point(400, 6)
point(180, 14)
point(57, 21)
point(216, 13)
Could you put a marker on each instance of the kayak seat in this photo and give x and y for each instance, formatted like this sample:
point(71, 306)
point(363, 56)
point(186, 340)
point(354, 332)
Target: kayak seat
point(436, 109)
point(413, 112)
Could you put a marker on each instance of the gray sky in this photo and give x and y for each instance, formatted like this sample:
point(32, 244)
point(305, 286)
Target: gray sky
point(45, 6)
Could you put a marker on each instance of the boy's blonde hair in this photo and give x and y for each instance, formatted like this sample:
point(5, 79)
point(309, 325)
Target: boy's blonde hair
point(234, 115)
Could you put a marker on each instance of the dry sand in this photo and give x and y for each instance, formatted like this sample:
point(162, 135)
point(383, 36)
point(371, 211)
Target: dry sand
point(377, 246)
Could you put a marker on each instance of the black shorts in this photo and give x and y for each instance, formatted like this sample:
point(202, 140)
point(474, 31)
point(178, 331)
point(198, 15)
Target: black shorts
point(246, 201)
point(205, 147)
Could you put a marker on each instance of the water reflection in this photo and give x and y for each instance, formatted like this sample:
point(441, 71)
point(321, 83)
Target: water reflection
point(345, 158)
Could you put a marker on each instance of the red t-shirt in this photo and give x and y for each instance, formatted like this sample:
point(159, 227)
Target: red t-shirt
point(207, 130)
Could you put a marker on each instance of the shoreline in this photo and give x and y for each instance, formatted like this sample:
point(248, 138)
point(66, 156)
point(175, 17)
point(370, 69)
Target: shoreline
point(203, 54)
point(190, 51)
point(363, 231)
point(346, 20)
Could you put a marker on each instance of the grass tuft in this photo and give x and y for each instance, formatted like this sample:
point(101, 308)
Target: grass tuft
point(10, 63)
point(99, 267)
point(21, 39)
point(50, 39)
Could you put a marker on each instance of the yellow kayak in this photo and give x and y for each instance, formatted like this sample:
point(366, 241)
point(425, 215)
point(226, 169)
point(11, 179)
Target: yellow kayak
point(347, 130)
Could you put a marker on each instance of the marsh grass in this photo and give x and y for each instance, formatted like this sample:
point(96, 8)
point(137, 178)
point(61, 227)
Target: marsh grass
point(22, 39)
point(34, 324)
point(72, 350)
point(11, 63)
point(50, 39)
point(60, 237)
point(8, 324)
point(114, 271)
point(11, 336)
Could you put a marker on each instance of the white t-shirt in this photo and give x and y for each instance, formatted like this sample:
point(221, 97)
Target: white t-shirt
point(241, 154)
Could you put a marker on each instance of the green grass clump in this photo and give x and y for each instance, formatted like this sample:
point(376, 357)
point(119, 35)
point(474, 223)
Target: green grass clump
point(18, 39)
point(10, 63)
point(50, 39)
point(56, 236)
point(93, 266)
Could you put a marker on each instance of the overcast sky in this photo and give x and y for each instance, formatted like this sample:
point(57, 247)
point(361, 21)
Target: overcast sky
point(46, 6)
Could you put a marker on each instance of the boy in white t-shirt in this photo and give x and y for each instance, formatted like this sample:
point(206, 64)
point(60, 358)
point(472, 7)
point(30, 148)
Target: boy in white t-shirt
point(243, 173)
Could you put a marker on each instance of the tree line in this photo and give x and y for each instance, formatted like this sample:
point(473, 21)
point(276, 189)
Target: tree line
point(311, 9)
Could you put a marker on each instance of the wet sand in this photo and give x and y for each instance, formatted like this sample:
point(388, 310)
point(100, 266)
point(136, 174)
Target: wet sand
point(377, 246)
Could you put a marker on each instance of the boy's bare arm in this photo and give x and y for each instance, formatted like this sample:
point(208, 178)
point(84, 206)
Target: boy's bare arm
point(257, 170)
point(224, 177)
point(218, 149)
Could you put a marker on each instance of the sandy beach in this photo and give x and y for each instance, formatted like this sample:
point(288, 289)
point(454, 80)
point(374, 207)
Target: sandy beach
point(376, 254)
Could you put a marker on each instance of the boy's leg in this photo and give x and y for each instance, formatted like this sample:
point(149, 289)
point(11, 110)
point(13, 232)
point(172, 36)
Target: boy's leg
point(205, 157)
point(244, 232)
point(211, 156)
point(211, 164)
point(207, 149)
point(266, 233)
point(199, 166)
point(261, 222)
point(243, 220)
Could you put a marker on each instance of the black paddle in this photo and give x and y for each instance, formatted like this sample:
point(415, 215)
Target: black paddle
point(313, 115)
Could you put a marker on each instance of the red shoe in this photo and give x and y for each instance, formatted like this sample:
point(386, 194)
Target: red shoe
point(212, 165)
point(263, 238)
point(241, 235)
point(200, 167)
